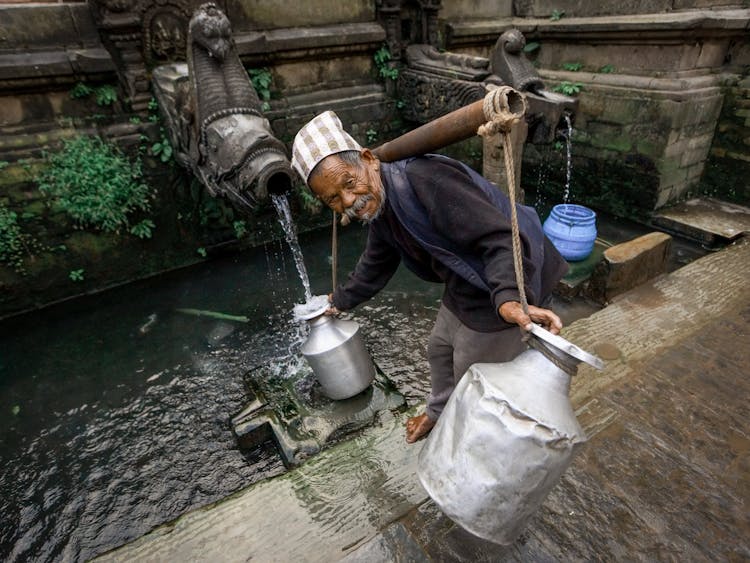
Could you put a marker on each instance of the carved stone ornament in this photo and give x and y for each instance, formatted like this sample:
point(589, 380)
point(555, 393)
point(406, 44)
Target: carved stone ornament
point(214, 116)
point(164, 35)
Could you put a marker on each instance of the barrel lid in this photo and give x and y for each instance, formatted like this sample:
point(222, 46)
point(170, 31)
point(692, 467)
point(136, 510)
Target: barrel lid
point(565, 348)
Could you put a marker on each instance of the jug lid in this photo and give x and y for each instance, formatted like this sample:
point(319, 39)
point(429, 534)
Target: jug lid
point(314, 307)
point(565, 349)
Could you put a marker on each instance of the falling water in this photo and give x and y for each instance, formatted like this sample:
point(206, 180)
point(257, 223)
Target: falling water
point(569, 146)
point(281, 203)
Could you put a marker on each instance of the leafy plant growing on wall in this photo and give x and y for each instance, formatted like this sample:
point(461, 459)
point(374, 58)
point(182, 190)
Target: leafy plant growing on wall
point(104, 95)
point(162, 148)
point(382, 59)
point(607, 69)
point(261, 79)
point(572, 67)
point(15, 245)
point(557, 15)
point(568, 88)
point(80, 90)
point(98, 186)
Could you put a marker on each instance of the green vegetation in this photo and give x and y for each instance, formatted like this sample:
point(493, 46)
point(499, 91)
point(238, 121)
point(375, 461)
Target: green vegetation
point(372, 136)
point(240, 228)
point(104, 95)
point(382, 59)
point(573, 67)
point(94, 183)
point(309, 202)
point(557, 15)
point(202, 252)
point(81, 90)
point(261, 79)
point(15, 245)
point(607, 69)
point(76, 275)
point(163, 148)
point(531, 47)
point(568, 88)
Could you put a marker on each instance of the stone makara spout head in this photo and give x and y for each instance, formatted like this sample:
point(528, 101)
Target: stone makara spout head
point(215, 117)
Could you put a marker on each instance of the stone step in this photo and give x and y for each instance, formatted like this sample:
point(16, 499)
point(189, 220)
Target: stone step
point(709, 221)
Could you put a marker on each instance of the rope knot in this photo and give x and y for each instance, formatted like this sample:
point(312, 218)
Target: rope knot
point(503, 107)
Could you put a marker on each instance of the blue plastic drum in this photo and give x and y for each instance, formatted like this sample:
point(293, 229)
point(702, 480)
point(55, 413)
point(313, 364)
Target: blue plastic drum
point(572, 229)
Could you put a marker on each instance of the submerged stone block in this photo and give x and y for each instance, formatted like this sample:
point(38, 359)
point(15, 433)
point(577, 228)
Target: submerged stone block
point(629, 264)
point(290, 410)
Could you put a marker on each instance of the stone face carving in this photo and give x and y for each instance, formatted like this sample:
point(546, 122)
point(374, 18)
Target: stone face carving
point(215, 120)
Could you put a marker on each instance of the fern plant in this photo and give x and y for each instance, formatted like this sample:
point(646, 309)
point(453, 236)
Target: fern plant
point(261, 79)
point(15, 245)
point(382, 59)
point(97, 185)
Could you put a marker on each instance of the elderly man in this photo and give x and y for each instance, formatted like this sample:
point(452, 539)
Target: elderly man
point(447, 224)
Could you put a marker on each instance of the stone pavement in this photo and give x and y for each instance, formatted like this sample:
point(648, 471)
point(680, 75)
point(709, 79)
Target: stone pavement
point(664, 476)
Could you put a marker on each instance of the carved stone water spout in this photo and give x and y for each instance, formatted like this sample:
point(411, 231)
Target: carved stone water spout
point(215, 118)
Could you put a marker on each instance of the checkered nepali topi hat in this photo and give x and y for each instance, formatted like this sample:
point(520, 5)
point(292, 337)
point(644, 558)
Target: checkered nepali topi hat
point(322, 136)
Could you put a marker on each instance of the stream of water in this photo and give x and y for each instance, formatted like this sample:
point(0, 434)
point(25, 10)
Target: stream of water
point(569, 155)
point(281, 203)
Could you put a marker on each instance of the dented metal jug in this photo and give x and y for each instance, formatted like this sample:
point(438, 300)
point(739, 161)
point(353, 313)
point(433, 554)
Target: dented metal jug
point(505, 437)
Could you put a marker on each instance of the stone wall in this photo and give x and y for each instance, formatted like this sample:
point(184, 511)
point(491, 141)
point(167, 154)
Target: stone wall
point(728, 166)
point(655, 78)
point(651, 77)
point(48, 49)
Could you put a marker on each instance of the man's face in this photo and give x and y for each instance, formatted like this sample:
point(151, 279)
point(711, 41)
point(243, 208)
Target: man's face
point(355, 191)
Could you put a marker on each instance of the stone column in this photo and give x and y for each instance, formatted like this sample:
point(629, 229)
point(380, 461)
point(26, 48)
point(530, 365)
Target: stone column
point(493, 165)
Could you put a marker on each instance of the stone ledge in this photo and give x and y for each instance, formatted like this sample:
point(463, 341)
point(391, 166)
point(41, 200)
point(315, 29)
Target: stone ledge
point(700, 22)
point(308, 39)
point(675, 88)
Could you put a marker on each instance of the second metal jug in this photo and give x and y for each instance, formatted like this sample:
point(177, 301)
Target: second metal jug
point(338, 357)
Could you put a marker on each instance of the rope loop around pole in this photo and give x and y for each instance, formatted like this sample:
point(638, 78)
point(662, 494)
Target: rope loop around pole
point(503, 108)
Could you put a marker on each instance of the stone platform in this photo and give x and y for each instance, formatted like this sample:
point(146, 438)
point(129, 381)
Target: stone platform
point(665, 475)
point(709, 221)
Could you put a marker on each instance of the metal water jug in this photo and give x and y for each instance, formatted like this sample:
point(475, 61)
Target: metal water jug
point(337, 355)
point(505, 437)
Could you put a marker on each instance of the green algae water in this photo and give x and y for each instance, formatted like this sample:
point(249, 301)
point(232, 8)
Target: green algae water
point(116, 407)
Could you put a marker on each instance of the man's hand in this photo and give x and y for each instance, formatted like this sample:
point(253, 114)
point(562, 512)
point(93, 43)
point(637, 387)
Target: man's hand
point(332, 310)
point(512, 312)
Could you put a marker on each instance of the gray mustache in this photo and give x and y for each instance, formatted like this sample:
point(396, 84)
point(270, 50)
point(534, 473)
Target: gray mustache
point(359, 203)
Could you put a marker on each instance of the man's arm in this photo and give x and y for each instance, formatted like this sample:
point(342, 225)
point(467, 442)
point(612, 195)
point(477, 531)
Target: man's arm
point(375, 267)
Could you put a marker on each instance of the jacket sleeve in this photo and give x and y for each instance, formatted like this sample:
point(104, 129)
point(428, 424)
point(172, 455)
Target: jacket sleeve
point(375, 267)
point(459, 211)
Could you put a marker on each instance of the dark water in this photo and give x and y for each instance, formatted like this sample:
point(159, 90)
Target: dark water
point(116, 408)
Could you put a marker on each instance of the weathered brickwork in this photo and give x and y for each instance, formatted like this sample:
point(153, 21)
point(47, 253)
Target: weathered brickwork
point(728, 166)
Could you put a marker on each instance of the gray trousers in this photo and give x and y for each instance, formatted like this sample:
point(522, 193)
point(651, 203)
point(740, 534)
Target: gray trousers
point(453, 347)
